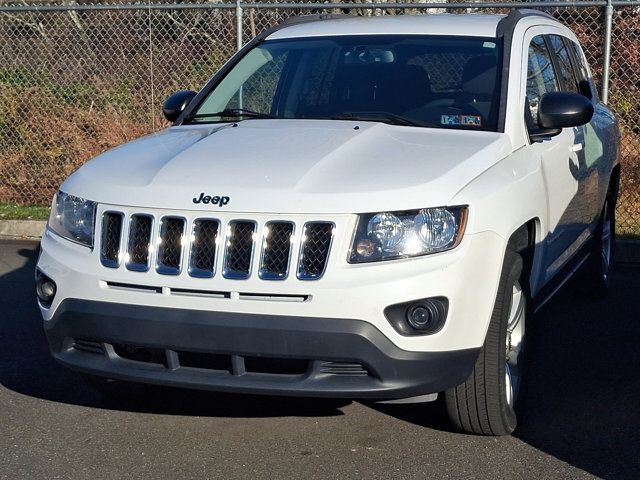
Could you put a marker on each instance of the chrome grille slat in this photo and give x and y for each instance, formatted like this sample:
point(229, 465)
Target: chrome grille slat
point(204, 238)
point(111, 238)
point(314, 249)
point(276, 250)
point(239, 249)
point(170, 243)
point(138, 251)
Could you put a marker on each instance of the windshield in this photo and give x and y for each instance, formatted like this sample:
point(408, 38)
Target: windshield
point(428, 81)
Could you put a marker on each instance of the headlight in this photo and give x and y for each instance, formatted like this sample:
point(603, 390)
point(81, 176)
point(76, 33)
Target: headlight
point(73, 218)
point(389, 235)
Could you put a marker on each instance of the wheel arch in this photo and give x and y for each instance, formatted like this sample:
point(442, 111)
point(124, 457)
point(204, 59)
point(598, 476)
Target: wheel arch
point(524, 241)
point(614, 183)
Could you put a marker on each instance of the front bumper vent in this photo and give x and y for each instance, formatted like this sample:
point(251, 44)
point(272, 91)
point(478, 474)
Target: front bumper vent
point(88, 346)
point(232, 364)
point(343, 368)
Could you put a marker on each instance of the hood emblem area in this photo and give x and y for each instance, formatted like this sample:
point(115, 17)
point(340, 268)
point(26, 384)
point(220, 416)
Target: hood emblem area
point(220, 200)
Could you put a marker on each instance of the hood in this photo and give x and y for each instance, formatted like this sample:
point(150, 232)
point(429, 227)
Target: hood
point(290, 166)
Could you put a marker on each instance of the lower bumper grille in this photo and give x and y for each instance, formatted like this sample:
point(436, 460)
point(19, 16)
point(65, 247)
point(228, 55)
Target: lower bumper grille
point(216, 362)
point(88, 346)
point(341, 368)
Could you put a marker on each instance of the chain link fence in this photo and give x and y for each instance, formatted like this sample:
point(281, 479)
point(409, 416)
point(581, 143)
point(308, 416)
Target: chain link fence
point(77, 79)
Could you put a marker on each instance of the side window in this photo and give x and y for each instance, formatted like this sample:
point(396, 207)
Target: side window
point(541, 78)
point(564, 63)
point(580, 68)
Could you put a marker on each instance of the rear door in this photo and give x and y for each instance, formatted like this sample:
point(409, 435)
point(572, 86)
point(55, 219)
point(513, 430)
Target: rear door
point(601, 139)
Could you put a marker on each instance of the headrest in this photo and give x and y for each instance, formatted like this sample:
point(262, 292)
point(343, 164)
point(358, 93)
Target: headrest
point(414, 77)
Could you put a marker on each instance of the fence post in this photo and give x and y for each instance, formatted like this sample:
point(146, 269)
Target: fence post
point(608, 20)
point(238, 25)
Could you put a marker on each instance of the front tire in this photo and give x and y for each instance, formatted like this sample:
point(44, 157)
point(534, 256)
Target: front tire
point(485, 403)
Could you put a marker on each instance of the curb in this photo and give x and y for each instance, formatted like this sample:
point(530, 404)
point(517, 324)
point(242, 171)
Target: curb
point(22, 228)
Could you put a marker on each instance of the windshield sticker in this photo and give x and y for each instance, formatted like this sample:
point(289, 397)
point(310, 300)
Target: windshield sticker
point(466, 120)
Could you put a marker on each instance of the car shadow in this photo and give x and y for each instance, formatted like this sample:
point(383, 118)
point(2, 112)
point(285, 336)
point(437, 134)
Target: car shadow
point(581, 401)
point(27, 367)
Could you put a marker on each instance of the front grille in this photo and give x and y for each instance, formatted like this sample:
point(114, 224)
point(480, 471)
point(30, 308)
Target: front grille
point(239, 249)
point(139, 243)
point(276, 250)
point(202, 259)
point(171, 242)
point(110, 240)
point(170, 245)
point(316, 243)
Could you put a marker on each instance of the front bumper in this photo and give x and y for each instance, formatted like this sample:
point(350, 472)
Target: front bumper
point(330, 348)
point(467, 276)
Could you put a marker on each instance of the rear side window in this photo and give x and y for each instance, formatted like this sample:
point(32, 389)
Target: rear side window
point(564, 63)
point(541, 78)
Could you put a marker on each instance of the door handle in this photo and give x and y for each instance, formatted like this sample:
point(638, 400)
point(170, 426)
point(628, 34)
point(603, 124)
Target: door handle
point(576, 147)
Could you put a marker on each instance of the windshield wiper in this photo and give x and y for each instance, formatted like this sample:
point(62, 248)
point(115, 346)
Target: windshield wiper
point(384, 117)
point(231, 113)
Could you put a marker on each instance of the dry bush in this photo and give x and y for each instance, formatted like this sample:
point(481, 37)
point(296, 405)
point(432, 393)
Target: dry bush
point(51, 140)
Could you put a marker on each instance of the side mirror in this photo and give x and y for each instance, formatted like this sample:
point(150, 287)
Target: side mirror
point(176, 103)
point(564, 109)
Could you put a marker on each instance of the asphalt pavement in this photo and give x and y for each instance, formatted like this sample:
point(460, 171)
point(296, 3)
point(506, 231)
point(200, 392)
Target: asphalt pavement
point(582, 411)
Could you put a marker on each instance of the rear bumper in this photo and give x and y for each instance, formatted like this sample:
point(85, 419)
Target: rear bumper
point(245, 340)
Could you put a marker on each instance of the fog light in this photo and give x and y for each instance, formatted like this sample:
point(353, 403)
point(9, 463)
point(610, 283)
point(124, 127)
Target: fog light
point(419, 317)
point(45, 289)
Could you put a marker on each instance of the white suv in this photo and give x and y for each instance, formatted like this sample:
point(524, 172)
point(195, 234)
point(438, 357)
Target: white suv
point(367, 208)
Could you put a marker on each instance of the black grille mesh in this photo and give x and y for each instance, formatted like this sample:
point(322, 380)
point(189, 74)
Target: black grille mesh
point(343, 368)
point(315, 249)
point(170, 249)
point(277, 249)
point(110, 241)
point(239, 248)
point(139, 238)
point(203, 246)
